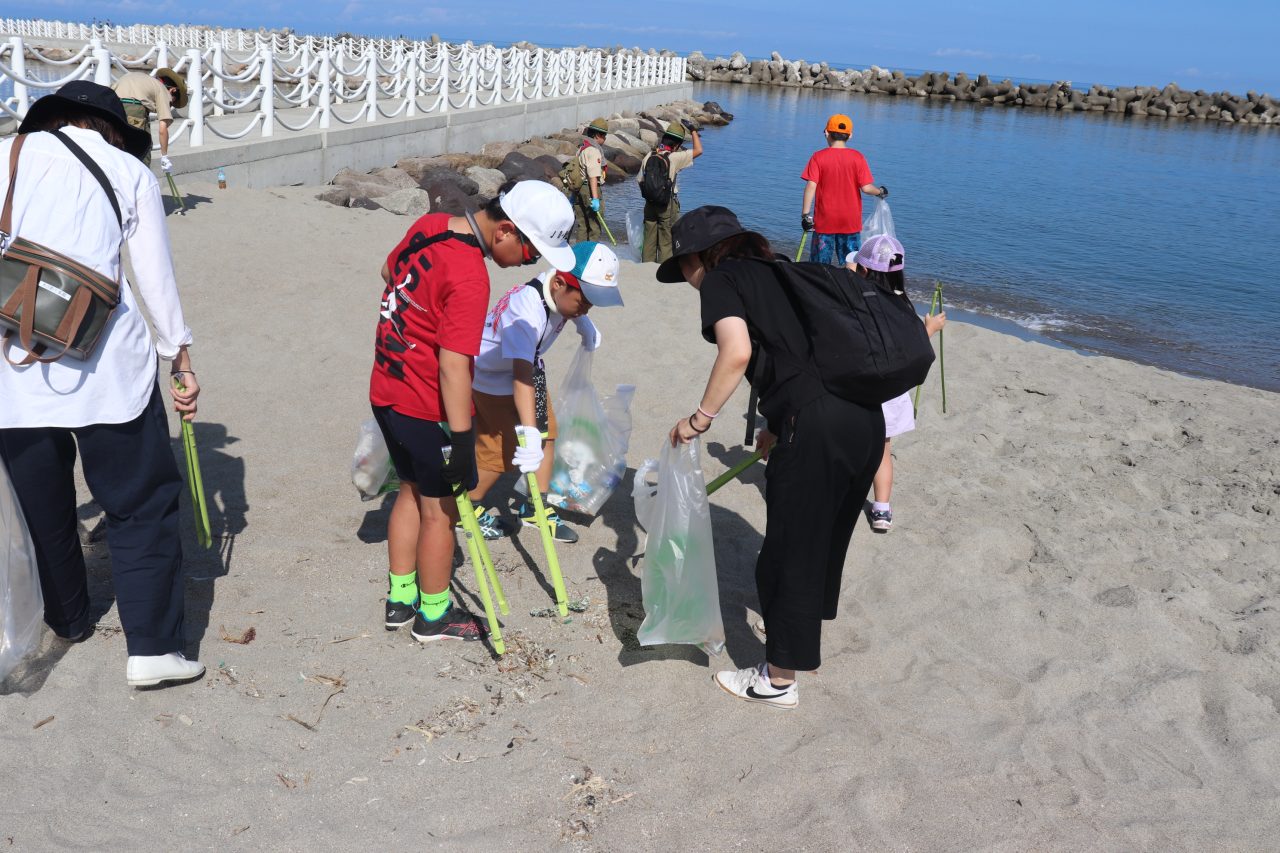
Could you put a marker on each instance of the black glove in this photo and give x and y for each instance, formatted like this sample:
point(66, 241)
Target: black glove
point(460, 459)
point(806, 222)
point(688, 125)
point(884, 192)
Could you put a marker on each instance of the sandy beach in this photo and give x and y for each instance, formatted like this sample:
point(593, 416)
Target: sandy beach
point(1068, 641)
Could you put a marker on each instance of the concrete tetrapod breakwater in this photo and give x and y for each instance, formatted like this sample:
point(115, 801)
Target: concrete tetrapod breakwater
point(1167, 102)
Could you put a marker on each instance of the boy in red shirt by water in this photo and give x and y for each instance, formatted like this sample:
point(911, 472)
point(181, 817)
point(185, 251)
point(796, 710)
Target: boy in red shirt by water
point(429, 328)
point(836, 177)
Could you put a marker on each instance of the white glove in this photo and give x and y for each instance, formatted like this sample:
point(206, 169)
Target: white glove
point(165, 163)
point(590, 335)
point(529, 457)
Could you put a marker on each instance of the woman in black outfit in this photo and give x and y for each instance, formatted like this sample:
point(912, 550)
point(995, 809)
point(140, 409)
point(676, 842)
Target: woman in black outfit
point(822, 450)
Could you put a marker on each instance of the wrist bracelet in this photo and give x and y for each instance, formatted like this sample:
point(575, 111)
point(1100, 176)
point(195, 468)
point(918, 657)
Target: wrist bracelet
point(693, 427)
point(707, 414)
point(176, 372)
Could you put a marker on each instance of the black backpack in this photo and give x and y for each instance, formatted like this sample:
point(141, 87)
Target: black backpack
point(656, 184)
point(867, 343)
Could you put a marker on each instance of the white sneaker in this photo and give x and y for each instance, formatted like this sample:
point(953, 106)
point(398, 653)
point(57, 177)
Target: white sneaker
point(753, 685)
point(150, 670)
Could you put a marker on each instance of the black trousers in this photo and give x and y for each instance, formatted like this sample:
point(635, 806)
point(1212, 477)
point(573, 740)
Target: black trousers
point(131, 472)
point(817, 480)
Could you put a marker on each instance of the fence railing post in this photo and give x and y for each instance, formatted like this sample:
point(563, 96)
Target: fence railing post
point(268, 82)
point(218, 67)
point(195, 106)
point(410, 90)
point(371, 91)
point(19, 65)
point(324, 79)
point(102, 65)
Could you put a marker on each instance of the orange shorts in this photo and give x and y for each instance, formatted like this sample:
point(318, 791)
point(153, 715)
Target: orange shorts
point(495, 426)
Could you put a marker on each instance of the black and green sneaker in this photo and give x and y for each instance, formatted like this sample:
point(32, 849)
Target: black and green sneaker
point(455, 624)
point(399, 615)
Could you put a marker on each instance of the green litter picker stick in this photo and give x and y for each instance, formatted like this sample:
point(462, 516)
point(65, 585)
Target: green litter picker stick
point(800, 251)
point(195, 481)
point(942, 354)
point(480, 560)
point(715, 484)
point(934, 305)
point(605, 226)
point(177, 196)
point(548, 539)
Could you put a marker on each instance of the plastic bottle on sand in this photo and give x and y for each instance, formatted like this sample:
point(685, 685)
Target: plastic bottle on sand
point(222, 179)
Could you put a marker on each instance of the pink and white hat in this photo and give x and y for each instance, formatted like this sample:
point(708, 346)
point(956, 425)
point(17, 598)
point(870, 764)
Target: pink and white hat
point(878, 254)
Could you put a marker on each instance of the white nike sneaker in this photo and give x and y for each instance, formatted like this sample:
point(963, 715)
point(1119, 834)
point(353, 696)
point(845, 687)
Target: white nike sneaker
point(753, 685)
point(150, 670)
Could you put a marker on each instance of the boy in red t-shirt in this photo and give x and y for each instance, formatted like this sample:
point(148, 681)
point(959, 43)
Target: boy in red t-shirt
point(836, 177)
point(429, 328)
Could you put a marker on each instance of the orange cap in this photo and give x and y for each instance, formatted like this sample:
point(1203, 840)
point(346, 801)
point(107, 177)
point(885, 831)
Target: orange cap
point(839, 123)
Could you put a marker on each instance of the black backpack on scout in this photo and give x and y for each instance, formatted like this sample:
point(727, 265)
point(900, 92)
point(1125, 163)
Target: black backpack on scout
point(656, 184)
point(868, 344)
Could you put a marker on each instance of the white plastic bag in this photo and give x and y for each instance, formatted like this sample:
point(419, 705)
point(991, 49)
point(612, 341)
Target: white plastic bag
point(21, 602)
point(678, 573)
point(591, 441)
point(879, 222)
point(372, 473)
point(635, 234)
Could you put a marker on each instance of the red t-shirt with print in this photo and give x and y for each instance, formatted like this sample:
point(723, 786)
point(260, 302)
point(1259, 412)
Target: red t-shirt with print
point(840, 174)
point(437, 298)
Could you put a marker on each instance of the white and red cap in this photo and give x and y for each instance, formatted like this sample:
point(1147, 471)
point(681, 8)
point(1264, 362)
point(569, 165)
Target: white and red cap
point(595, 273)
point(544, 216)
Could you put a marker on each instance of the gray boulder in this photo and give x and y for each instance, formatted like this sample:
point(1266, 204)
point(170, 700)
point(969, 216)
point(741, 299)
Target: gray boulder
point(340, 196)
point(434, 179)
point(487, 180)
point(396, 177)
point(361, 185)
point(409, 201)
point(516, 167)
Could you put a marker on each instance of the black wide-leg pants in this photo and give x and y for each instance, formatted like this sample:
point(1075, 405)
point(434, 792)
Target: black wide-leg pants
point(817, 481)
point(130, 471)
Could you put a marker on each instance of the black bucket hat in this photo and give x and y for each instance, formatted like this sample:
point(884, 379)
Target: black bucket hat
point(96, 100)
point(696, 231)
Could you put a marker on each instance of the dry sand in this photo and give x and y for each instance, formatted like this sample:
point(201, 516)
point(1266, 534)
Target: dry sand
point(1069, 640)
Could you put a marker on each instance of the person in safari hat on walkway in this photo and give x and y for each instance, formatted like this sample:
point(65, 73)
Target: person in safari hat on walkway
point(142, 94)
point(835, 179)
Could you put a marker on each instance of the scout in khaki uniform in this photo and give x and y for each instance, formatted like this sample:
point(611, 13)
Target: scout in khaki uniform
point(659, 219)
point(143, 95)
point(588, 199)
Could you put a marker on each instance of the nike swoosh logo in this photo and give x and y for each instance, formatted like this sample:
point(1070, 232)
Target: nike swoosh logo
point(751, 691)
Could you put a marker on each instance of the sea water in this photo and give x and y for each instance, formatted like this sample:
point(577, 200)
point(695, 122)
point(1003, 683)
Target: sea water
point(1152, 240)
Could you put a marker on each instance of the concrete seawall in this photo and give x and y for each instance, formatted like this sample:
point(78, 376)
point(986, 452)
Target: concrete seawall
point(314, 156)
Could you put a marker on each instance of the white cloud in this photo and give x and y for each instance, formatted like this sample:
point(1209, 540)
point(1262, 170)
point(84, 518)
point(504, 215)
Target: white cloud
point(965, 52)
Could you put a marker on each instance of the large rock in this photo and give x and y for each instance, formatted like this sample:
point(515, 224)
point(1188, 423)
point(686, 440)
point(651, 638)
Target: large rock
point(449, 199)
point(415, 167)
point(622, 159)
point(409, 201)
point(517, 167)
point(361, 185)
point(487, 180)
point(434, 179)
point(340, 196)
point(498, 149)
point(550, 165)
point(396, 177)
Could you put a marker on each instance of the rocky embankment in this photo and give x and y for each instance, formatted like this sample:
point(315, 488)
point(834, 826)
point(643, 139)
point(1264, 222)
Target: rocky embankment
point(1167, 102)
point(458, 181)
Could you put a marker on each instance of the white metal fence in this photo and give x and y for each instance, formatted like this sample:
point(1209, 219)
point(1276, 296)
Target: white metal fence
point(313, 80)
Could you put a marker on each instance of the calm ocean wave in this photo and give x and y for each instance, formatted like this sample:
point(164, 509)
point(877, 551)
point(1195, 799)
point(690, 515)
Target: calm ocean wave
point(1156, 241)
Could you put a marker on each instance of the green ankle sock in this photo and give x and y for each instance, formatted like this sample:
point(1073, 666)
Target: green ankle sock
point(434, 604)
point(404, 588)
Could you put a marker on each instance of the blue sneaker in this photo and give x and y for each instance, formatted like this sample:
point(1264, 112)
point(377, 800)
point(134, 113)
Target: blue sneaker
point(490, 527)
point(560, 531)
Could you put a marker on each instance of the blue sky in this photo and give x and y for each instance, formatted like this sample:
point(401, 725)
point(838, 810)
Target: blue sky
point(1223, 45)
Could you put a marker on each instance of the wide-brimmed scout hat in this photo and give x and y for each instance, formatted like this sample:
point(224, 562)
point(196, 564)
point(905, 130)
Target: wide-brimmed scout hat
point(543, 214)
point(696, 231)
point(599, 125)
point(177, 78)
point(839, 123)
point(96, 100)
point(675, 130)
point(595, 273)
point(881, 253)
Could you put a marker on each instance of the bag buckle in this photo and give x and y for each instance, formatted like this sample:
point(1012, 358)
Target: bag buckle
point(5, 239)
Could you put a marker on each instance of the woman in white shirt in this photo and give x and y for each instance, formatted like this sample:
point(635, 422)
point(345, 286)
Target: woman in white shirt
point(108, 407)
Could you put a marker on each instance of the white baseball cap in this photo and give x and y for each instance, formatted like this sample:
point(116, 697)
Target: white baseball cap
point(596, 270)
point(543, 215)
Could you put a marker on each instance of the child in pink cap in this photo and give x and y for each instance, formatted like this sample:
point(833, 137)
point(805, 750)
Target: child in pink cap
point(882, 259)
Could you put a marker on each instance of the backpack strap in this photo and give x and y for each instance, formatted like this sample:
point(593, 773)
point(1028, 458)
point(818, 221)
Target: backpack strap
point(6, 217)
point(95, 170)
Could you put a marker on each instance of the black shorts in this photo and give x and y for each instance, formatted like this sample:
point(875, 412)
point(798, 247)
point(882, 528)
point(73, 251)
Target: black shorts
point(417, 450)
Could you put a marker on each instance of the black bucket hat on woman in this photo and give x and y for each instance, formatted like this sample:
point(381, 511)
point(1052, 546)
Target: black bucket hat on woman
point(696, 231)
point(95, 100)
